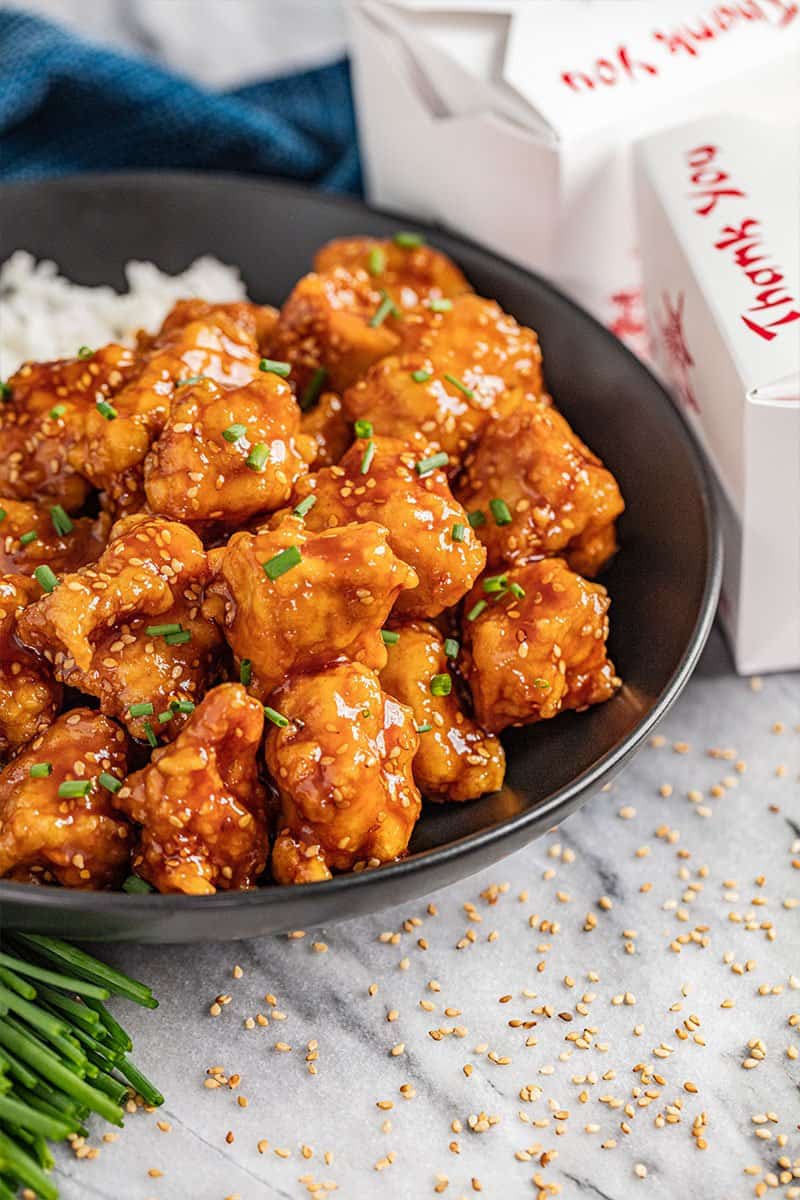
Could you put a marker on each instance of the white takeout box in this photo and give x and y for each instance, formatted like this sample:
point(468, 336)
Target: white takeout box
point(719, 213)
point(512, 120)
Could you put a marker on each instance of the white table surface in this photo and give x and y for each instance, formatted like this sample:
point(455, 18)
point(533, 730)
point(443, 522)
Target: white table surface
point(722, 870)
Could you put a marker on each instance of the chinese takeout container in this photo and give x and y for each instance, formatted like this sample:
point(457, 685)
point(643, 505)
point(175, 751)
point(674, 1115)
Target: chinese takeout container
point(512, 122)
point(719, 211)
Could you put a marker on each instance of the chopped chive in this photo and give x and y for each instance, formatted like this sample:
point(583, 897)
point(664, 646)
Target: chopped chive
point(178, 639)
point(305, 506)
point(190, 380)
point(145, 709)
point(495, 583)
point(106, 410)
point(245, 672)
point(57, 411)
point(282, 562)
point(409, 241)
point(165, 716)
point(85, 352)
point(390, 637)
point(313, 388)
point(517, 590)
point(234, 432)
point(274, 367)
point(386, 307)
point(426, 465)
point(182, 706)
point(421, 376)
point(71, 789)
point(257, 458)
point(541, 683)
point(162, 630)
point(462, 387)
point(41, 770)
point(109, 782)
point(426, 728)
point(458, 531)
point(134, 885)
point(46, 578)
point(367, 457)
point(149, 733)
point(27, 538)
point(476, 610)
point(362, 429)
point(61, 522)
point(476, 518)
point(3, 515)
point(5, 391)
point(440, 304)
point(451, 648)
point(441, 685)
point(500, 512)
point(376, 263)
point(277, 718)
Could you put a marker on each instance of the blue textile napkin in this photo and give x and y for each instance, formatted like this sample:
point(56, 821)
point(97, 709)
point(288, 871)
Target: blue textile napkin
point(70, 105)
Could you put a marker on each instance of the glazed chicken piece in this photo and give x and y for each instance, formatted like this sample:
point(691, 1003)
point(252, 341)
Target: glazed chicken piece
point(287, 599)
point(34, 535)
point(380, 479)
point(129, 630)
point(199, 801)
point(225, 455)
point(535, 644)
point(56, 817)
point(404, 266)
point(29, 695)
point(327, 424)
point(334, 322)
point(540, 490)
point(42, 423)
point(257, 321)
point(457, 370)
point(216, 345)
point(341, 761)
point(456, 760)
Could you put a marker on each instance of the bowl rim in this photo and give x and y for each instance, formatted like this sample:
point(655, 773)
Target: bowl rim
point(119, 904)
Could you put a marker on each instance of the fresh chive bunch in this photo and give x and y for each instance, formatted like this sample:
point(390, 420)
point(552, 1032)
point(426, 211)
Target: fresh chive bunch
point(62, 1054)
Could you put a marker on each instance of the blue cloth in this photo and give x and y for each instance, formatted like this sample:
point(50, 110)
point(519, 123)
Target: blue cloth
point(70, 105)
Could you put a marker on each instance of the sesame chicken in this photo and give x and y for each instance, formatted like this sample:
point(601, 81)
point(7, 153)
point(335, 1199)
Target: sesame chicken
point(404, 266)
point(56, 818)
point(341, 762)
point(33, 535)
point(380, 480)
point(199, 803)
point(129, 628)
point(29, 695)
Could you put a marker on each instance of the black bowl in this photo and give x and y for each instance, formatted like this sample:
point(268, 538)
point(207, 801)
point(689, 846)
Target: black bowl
point(664, 582)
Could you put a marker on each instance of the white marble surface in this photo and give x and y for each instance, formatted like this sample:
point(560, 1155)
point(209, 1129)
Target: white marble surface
point(752, 830)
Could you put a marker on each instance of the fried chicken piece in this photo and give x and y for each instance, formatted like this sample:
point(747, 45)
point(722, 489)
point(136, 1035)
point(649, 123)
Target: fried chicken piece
point(557, 492)
point(330, 321)
point(94, 626)
point(456, 371)
point(200, 803)
point(81, 541)
point(43, 422)
point(200, 472)
point(215, 345)
point(287, 599)
point(29, 695)
point(257, 321)
point(527, 657)
point(410, 273)
point(342, 767)
point(456, 760)
point(332, 432)
point(77, 839)
point(377, 480)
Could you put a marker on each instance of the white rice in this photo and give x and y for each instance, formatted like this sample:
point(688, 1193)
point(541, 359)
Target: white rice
point(44, 316)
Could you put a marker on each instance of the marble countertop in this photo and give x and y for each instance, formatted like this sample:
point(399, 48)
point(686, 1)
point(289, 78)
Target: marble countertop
point(598, 996)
